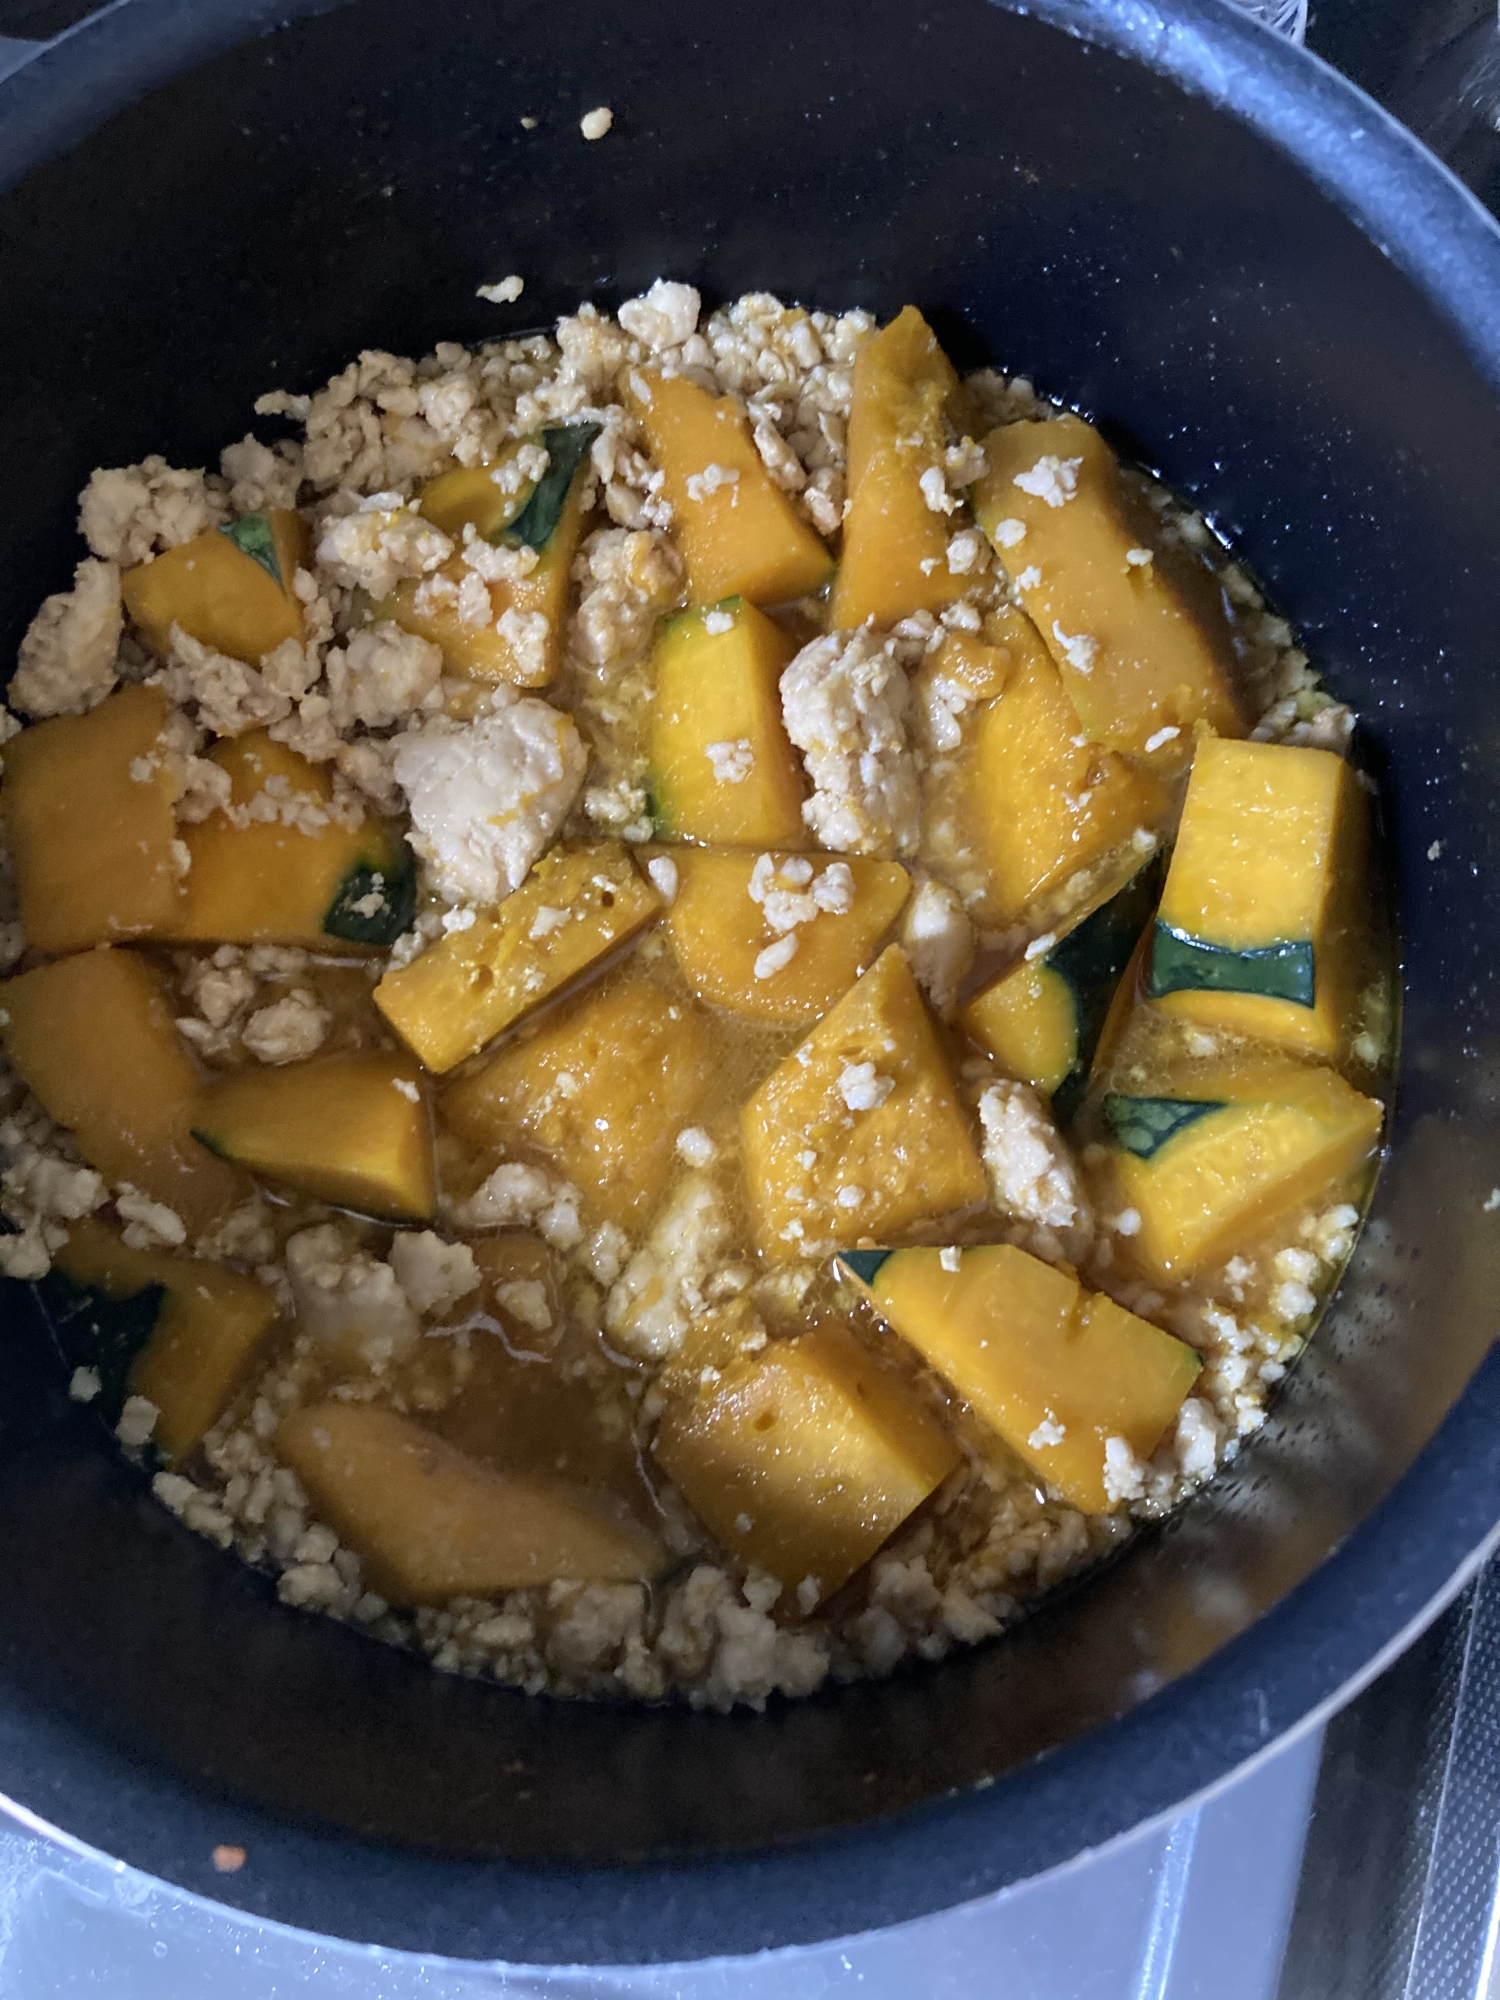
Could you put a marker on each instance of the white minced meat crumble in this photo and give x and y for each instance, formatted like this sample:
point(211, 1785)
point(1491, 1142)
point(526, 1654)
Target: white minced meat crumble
point(485, 780)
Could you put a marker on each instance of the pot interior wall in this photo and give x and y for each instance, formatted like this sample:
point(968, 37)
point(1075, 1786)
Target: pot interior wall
point(348, 182)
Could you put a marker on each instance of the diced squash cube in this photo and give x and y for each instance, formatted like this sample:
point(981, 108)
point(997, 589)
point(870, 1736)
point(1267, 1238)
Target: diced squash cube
point(429, 1524)
point(484, 653)
point(209, 1327)
point(1054, 1369)
point(94, 1037)
point(737, 533)
point(472, 494)
point(1042, 1019)
point(463, 991)
point(1027, 1019)
point(722, 767)
point(721, 932)
point(503, 507)
point(230, 589)
point(1054, 817)
point(93, 845)
point(1212, 1172)
point(859, 1133)
point(317, 882)
point(602, 1089)
point(348, 1129)
point(803, 1459)
point(1140, 638)
point(1262, 926)
point(895, 554)
point(547, 517)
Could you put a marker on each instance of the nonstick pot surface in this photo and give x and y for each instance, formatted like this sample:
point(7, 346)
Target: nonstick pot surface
point(1295, 316)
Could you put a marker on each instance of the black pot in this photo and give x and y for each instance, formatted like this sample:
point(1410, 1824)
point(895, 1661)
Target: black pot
point(1291, 311)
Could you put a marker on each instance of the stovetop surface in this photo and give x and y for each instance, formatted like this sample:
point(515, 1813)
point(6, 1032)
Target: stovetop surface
point(1198, 1907)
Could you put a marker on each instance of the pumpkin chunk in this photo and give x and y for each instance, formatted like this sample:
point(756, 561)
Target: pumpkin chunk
point(1054, 1369)
point(209, 1326)
point(1261, 925)
point(230, 589)
point(348, 1129)
point(463, 991)
point(1053, 817)
point(1213, 1164)
point(429, 1524)
point(720, 924)
point(94, 1037)
point(895, 555)
point(868, 1096)
point(805, 1458)
point(316, 881)
point(1027, 1019)
point(737, 532)
point(521, 642)
point(505, 505)
point(472, 495)
point(1140, 638)
point(602, 1088)
point(722, 768)
point(93, 844)
point(1042, 1019)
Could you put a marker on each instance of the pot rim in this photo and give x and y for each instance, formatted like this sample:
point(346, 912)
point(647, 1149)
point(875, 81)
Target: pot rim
point(1344, 1623)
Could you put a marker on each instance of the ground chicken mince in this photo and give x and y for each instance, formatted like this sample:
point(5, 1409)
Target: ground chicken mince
point(689, 1005)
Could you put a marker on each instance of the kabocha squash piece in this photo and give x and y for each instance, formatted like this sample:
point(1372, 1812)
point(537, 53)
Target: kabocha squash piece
point(722, 767)
point(737, 533)
point(95, 1039)
point(859, 1133)
point(463, 991)
point(1027, 1019)
point(473, 494)
point(1212, 1167)
point(803, 1459)
point(602, 1088)
point(1054, 1369)
point(197, 1340)
point(93, 845)
point(272, 883)
point(733, 958)
point(347, 1129)
point(430, 1524)
point(1262, 925)
point(546, 516)
point(895, 553)
point(1140, 638)
point(1053, 816)
point(1041, 1020)
point(230, 589)
point(481, 653)
point(503, 507)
